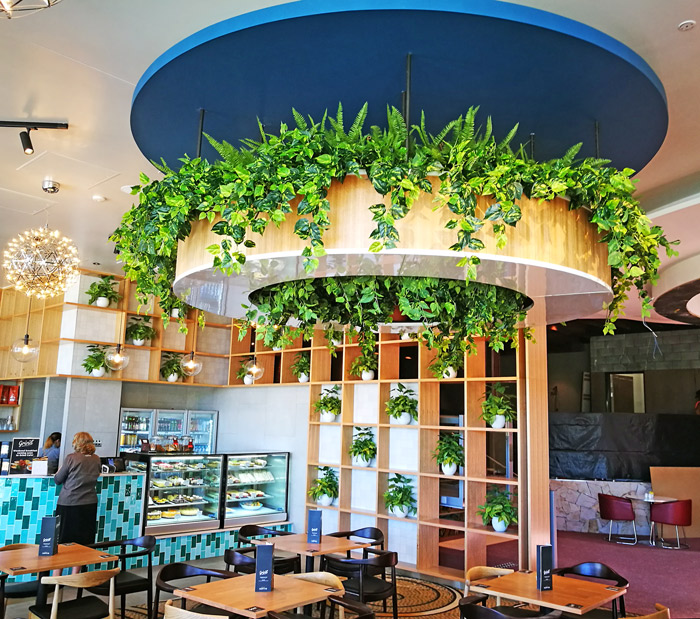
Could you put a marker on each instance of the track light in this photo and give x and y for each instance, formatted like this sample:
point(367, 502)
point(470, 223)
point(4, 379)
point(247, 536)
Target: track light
point(26, 142)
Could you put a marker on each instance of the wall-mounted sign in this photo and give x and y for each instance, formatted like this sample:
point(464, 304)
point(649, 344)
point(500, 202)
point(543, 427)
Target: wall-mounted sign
point(23, 451)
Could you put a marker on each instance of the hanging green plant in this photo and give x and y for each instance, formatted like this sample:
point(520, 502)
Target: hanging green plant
point(251, 187)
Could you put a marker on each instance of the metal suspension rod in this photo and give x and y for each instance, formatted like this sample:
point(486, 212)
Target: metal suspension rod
point(532, 146)
point(407, 99)
point(200, 130)
point(597, 140)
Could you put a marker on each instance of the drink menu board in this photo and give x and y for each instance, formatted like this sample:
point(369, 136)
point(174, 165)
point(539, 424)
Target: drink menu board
point(23, 451)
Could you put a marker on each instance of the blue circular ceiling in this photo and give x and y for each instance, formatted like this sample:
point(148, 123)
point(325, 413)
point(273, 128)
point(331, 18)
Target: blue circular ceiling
point(554, 76)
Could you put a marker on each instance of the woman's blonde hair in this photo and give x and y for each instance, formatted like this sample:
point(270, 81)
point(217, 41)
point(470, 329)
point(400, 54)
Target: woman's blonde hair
point(83, 443)
point(52, 439)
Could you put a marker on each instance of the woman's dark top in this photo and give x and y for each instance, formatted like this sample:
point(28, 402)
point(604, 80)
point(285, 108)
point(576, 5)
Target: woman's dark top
point(78, 476)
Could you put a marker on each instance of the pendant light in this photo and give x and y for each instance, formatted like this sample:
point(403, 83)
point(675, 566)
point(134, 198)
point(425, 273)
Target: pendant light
point(190, 365)
point(116, 357)
point(24, 349)
point(253, 369)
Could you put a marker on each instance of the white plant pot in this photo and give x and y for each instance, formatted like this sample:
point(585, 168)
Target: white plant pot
point(448, 469)
point(276, 348)
point(173, 378)
point(139, 342)
point(403, 419)
point(498, 525)
point(367, 374)
point(248, 379)
point(399, 512)
point(360, 461)
point(336, 343)
point(324, 500)
point(303, 378)
point(102, 302)
point(499, 421)
point(406, 336)
point(327, 417)
point(98, 373)
point(449, 372)
point(175, 312)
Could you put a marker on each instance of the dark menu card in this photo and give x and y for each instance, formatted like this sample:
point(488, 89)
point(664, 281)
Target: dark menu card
point(48, 542)
point(544, 567)
point(313, 534)
point(23, 451)
point(264, 557)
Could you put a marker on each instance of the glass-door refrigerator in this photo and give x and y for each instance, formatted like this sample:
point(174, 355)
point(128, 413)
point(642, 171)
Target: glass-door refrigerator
point(134, 424)
point(201, 427)
point(171, 423)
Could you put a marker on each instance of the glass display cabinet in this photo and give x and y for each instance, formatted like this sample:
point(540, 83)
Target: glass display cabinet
point(256, 488)
point(183, 491)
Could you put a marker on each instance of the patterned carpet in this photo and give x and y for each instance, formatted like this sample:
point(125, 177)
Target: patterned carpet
point(416, 597)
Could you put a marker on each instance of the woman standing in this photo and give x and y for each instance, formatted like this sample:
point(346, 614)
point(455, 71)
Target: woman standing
point(51, 450)
point(77, 502)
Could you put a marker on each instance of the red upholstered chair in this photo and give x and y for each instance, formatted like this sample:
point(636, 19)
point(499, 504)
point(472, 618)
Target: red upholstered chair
point(617, 508)
point(678, 513)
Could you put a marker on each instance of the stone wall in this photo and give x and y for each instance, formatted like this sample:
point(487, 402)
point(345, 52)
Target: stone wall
point(576, 505)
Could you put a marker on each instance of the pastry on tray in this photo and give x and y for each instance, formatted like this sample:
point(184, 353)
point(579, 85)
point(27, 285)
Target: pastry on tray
point(154, 514)
point(171, 513)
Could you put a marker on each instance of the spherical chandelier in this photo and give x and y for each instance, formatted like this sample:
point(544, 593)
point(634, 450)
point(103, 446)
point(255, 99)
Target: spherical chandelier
point(41, 263)
point(116, 359)
point(191, 366)
point(12, 9)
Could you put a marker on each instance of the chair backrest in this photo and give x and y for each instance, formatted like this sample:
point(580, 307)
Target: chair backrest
point(594, 570)
point(615, 507)
point(662, 612)
point(82, 580)
point(147, 541)
point(173, 612)
point(176, 571)
point(371, 534)
point(679, 512)
point(238, 558)
point(17, 546)
point(249, 531)
point(483, 571)
point(476, 611)
point(322, 578)
point(355, 607)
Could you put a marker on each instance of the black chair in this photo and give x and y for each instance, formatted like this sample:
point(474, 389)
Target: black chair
point(244, 564)
point(373, 536)
point(362, 611)
point(602, 572)
point(15, 590)
point(470, 610)
point(248, 532)
point(360, 583)
point(178, 571)
point(127, 582)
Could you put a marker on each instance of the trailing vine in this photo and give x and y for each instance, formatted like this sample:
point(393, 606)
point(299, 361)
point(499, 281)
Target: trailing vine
point(253, 186)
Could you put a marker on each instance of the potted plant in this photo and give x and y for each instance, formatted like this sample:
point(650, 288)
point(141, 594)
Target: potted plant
point(301, 368)
point(325, 487)
point(95, 363)
point(363, 448)
point(170, 368)
point(139, 330)
point(329, 404)
point(449, 452)
point(498, 511)
point(404, 406)
point(102, 293)
point(398, 498)
point(244, 373)
point(497, 407)
point(364, 366)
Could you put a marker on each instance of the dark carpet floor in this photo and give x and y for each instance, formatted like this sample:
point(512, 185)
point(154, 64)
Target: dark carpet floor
point(669, 577)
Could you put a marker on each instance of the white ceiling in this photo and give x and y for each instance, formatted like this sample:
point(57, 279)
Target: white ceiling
point(79, 62)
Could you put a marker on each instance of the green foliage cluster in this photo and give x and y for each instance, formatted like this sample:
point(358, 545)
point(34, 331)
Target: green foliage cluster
point(253, 186)
point(402, 400)
point(400, 493)
point(497, 401)
point(302, 364)
point(96, 358)
point(103, 288)
point(498, 505)
point(449, 449)
point(363, 445)
point(329, 401)
point(170, 364)
point(140, 329)
point(326, 484)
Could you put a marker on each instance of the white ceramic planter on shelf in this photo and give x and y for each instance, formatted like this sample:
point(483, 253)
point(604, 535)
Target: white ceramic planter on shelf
point(449, 372)
point(175, 313)
point(498, 525)
point(98, 373)
point(406, 336)
point(303, 378)
point(102, 302)
point(499, 421)
point(276, 348)
point(324, 500)
point(449, 469)
point(248, 379)
point(399, 512)
point(367, 375)
point(403, 419)
point(336, 343)
point(173, 378)
point(139, 342)
point(360, 461)
point(327, 417)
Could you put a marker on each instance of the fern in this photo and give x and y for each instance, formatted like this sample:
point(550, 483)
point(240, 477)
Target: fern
point(355, 132)
point(505, 142)
point(299, 119)
point(226, 151)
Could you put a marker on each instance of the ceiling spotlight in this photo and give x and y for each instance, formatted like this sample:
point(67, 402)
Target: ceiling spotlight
point(98, 198)
point(688, 24)
point(26, 142)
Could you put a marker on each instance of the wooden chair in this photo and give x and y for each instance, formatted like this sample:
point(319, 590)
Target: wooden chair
point(244, 564)
point(15, 590)
point(127, 582)
point(173, 612)
point(662, 612)
point(476, 573)
point(88, 607)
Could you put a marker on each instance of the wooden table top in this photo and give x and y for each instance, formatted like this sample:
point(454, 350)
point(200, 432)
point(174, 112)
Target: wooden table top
point(572, 595)
point(28, 561)
point(238, 595)
point(297, 544)
point(656, 499)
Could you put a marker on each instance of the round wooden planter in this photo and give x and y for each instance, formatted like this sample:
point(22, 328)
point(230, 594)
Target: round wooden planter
point(553, 255)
